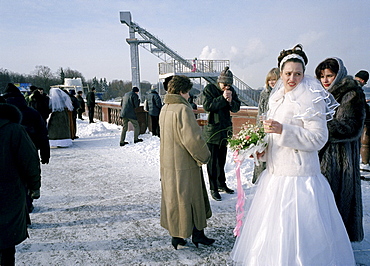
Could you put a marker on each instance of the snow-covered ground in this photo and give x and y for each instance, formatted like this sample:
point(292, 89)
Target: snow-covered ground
point(100, 205)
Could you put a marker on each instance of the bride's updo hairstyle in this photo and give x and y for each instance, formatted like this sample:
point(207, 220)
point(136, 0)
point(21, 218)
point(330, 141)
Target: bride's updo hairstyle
point(295, 54)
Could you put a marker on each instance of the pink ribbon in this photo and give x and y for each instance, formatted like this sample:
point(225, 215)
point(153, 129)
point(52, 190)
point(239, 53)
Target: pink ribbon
point(241, 196)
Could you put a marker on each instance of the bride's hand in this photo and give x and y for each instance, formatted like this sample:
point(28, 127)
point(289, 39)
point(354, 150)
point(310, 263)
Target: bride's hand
point(259, 155)
point(272, 126)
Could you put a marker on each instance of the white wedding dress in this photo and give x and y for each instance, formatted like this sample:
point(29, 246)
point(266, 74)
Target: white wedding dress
point(293, 218)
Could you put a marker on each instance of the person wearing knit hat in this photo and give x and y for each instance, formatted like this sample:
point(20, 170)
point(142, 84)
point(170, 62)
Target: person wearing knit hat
point(219, 100)
point(362, 77)
point(226, 76)
point(130, 102)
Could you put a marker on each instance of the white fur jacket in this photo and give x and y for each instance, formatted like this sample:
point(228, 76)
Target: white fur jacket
point(302, 113)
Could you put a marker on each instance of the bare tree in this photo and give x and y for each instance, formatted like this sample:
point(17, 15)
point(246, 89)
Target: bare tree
point(43, 77)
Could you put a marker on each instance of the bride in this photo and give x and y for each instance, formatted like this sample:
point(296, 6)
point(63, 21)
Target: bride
point(293, 218)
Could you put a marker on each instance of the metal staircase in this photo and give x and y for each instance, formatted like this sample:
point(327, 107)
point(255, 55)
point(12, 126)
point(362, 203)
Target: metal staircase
point(174, 64)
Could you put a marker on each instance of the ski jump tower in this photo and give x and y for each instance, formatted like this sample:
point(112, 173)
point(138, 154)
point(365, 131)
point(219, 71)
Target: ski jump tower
point(174, 64)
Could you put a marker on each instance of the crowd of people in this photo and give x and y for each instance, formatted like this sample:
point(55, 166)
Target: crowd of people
point(307, 208)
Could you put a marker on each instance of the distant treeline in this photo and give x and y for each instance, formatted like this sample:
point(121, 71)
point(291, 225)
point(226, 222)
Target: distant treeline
point(43, 77)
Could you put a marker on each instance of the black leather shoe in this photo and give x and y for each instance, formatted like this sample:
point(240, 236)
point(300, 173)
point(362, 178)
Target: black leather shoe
point(178, 241)
point(123, 144)
point(226, 189)
point(215, 195)
point(138, 140)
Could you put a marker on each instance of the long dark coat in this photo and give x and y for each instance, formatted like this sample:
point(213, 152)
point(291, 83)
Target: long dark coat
point(90, 99)
point(82, 103)
point(129, 103)
point(219, 126)
point(20, 166)
point(185, 201)
point(340, 157)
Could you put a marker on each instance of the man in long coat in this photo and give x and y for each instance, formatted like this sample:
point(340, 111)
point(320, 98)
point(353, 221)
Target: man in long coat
point(90, 102)
point(20, 167)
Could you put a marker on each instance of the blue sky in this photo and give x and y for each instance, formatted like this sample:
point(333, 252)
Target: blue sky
point(87, 35)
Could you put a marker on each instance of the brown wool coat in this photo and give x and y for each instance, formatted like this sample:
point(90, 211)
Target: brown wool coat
point(185, 201)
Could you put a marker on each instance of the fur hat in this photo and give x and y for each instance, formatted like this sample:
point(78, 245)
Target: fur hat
point(226, 76)
point(363, 74)
point(135, 89)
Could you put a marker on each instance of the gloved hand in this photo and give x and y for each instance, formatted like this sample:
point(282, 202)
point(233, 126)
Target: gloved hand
point(44, 160)
point(35, 194)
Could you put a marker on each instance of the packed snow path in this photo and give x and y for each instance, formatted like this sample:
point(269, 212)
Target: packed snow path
point(100, 205)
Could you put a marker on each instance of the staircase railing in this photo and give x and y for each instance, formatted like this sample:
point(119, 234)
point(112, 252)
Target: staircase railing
point(174, 63)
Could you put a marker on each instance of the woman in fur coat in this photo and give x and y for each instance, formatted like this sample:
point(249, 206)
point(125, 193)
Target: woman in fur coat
point(340, 157)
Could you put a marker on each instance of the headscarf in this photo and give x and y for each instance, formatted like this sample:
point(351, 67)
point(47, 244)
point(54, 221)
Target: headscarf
point(342, 72)
point(59, 100)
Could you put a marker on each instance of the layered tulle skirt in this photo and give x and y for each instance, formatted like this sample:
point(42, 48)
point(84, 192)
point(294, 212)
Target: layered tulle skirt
point(293, 221)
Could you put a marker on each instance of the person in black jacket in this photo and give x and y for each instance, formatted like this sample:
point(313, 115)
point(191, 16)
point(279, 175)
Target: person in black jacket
point(39, 101)
point(34, 125)
point(154, 105)
point(80, 110)
point(129, 103)
point(218, 102)
point(90, 102)
point(31, 120)
point(20, 167)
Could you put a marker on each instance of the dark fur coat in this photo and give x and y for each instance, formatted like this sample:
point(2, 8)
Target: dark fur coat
point(340, 157)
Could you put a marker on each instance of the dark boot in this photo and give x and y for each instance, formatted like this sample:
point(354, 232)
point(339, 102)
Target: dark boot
point(215, 195)
point(178, 241)
point(225, 189)
point(199, 237)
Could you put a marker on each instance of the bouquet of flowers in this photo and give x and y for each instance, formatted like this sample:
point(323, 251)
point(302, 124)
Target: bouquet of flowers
point(250, 140)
